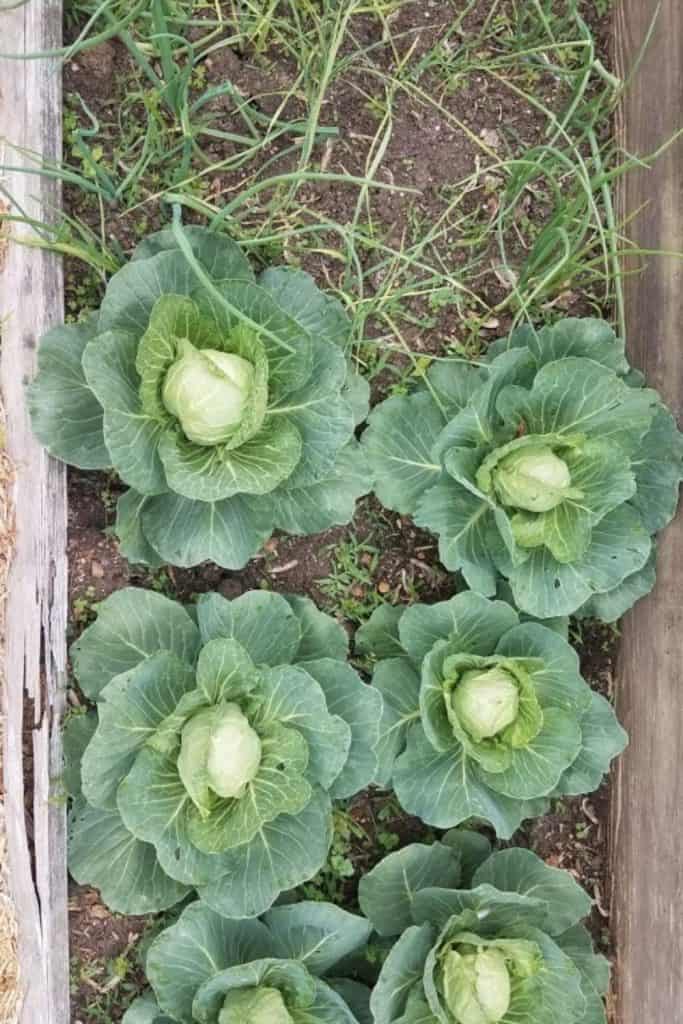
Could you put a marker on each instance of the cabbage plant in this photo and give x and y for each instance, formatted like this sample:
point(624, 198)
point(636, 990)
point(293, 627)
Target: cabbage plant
point(226, 404)
point(221, 737)
point(547, 464)
point(286, 968)
point(485, 716)
point(481, 938)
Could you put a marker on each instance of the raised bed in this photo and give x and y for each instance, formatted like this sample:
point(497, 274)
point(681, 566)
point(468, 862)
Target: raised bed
point(347, 571)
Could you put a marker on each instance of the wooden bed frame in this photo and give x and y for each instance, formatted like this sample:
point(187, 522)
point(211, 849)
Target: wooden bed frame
point(647, 826)
point(31, 301)
point(647, 807)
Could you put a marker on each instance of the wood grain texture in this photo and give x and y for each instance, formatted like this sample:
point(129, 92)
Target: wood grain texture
point(31, 300)
point(647, 826)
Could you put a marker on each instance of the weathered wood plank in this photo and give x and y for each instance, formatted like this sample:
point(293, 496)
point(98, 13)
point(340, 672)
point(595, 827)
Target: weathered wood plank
point(31, 300)
point(647, 827)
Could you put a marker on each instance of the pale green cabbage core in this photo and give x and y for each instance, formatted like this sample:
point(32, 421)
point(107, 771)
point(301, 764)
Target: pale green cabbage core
point(532, 479)
point(477, 985)
point(207, 391)
point(255, 1006)
point(219, 751)
point(486, 703)
point(479, 977)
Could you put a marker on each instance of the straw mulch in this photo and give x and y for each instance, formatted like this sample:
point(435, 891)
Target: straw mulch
point(9, 965)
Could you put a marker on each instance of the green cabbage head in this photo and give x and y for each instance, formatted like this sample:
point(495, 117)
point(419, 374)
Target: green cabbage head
point(476, 982)
point(219, 741)
point(257, 1005)
point(226, 405)
point(481, 938)
point(220, 754)
point(531, 477)
point(547, 464)
point(288, 967)
point(485, 715)
point(486, 702)
point(208, 391)
point(477, 975)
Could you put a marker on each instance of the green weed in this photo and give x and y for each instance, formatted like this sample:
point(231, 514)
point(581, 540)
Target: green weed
point(350, 587)
point(111, 982)
point(83, 609)
point(330, 882)
point(529, 229)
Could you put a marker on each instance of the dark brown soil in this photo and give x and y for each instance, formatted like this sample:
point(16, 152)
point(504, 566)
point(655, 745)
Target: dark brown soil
point(574, 835)
point(104, 977)
point(429, 150)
